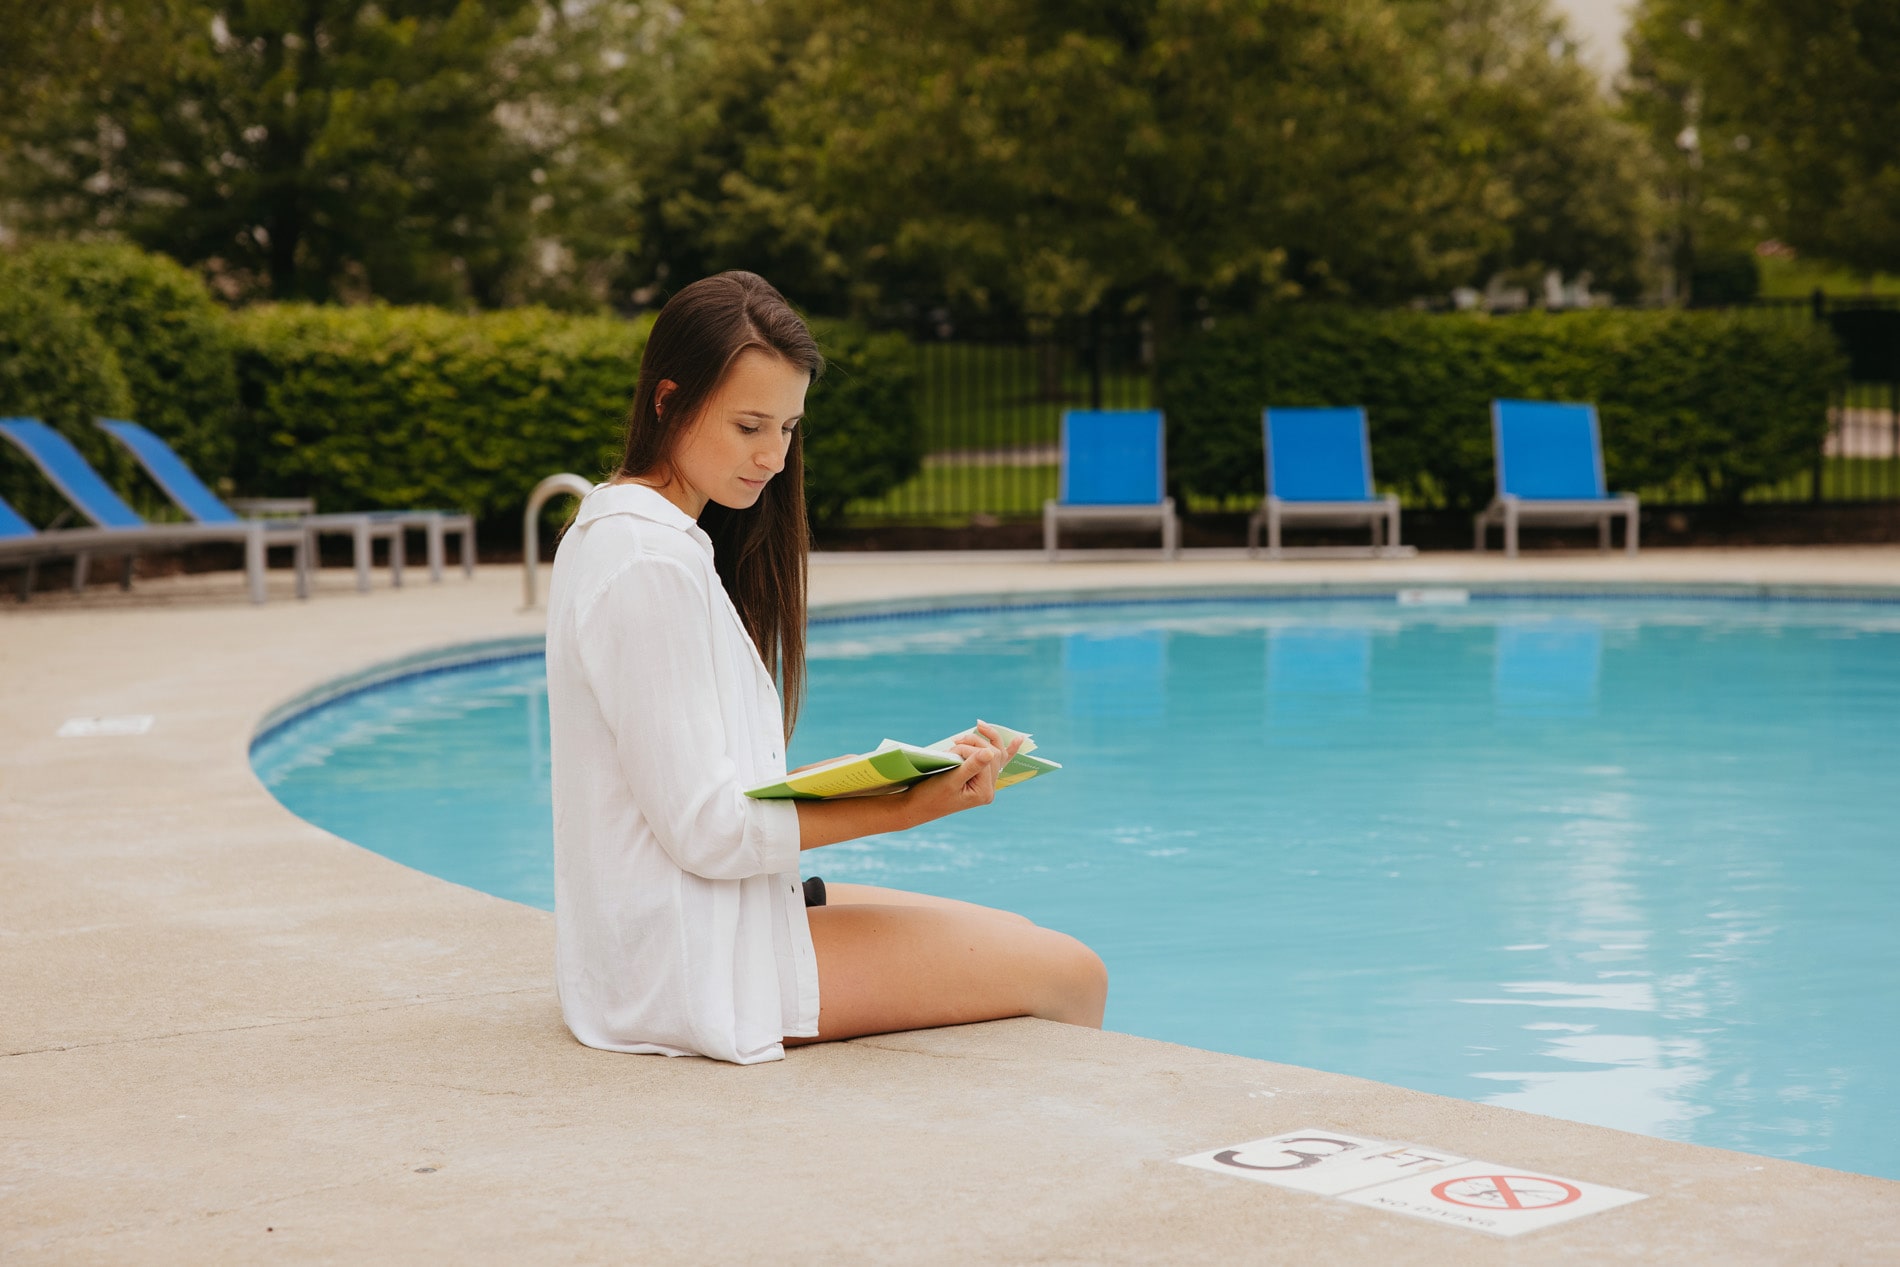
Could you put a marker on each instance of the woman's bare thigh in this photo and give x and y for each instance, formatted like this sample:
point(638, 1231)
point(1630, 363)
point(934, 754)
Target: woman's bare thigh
point(894, 967)
point(875, 895)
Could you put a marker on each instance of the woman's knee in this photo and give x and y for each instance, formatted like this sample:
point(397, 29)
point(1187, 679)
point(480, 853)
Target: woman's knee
point(1079, 981)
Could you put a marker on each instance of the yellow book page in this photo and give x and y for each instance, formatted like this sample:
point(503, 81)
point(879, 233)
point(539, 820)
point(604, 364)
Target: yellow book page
point(858, 776)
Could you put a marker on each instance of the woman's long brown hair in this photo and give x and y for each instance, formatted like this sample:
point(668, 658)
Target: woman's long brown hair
point(761, 551)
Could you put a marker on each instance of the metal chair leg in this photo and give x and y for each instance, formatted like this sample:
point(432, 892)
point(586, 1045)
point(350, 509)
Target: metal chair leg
point(362, 551)
point(254, 563)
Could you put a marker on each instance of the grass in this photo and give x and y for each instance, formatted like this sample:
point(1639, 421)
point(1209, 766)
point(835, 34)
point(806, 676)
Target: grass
point(1798, 279)
point(1842, 480)
point(952, 494)
point(958, 492)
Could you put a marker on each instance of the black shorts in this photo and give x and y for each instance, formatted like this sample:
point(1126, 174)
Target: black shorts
point(814, 892)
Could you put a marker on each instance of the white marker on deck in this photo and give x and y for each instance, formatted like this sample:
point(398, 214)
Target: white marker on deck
point(1489, 1197)
point(1413, 1179)
point(96, 727)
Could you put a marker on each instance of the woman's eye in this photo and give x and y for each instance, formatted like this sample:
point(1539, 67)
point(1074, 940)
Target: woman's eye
point(751, 431)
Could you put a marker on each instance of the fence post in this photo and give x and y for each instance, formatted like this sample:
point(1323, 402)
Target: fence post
point(1838, 409)
point(1095, 357)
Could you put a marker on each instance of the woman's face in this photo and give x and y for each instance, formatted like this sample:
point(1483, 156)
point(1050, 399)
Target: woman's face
point(741, 436)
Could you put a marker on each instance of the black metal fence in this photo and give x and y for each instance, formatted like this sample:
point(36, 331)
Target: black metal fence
point(991, 396)
point(990, 400)
point(1860, 460)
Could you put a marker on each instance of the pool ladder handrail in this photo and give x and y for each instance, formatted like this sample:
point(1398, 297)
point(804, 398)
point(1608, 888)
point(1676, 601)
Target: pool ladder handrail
point(553, 486)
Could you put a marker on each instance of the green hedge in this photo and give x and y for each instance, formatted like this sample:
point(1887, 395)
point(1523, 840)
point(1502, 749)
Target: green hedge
point(172, 340)
point(863, 436)
point(393, 407)
point(408, 407)
point(55, 367)
point(1709, 402)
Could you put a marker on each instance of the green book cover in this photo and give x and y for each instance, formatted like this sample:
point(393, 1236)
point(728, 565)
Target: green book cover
point(894, 765)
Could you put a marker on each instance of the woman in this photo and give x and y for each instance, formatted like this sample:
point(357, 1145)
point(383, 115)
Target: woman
point(681, 925)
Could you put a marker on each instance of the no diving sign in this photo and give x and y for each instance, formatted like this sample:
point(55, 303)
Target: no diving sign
point(1413, 1179)
point(1493, 1198)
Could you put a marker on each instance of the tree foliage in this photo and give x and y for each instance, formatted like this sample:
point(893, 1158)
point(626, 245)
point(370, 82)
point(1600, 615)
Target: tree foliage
point(300, 148)
point(1780, 117)
point(1046, 155)
point(1037, 155)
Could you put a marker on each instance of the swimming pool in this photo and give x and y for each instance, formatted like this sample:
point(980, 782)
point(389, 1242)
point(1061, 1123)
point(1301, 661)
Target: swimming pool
point(1630, 861)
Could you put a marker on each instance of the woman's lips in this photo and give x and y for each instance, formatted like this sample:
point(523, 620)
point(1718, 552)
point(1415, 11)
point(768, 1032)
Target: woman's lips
point(751, 483)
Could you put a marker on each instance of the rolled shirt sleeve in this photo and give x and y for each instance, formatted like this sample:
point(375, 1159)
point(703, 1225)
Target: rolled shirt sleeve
point(646, 656)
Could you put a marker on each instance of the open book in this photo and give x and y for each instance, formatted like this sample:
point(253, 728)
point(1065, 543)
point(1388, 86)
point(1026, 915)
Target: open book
point(894, 765)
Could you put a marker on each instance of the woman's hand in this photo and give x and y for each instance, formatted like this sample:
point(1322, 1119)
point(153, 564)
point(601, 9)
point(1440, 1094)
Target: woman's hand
point(969, 785)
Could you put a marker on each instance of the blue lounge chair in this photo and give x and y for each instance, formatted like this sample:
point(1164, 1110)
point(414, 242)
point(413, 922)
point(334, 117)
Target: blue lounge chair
point(1319, 470)
point(189, 494)
point(180, 483)
point(1550, 469)
point(1114, 469)
point(121, 531)
point(21, 545)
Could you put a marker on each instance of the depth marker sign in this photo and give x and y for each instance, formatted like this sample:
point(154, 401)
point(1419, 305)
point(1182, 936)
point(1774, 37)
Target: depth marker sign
point(1412, 1179)
point(1326, 1162)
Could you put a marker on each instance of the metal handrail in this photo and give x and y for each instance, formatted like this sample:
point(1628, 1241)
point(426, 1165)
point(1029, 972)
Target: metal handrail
point(551, 487)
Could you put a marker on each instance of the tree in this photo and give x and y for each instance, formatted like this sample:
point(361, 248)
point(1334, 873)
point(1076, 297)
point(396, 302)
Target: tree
point(1566, 178)
point(1778, 117)
point(299, 148)
point(1050, 155)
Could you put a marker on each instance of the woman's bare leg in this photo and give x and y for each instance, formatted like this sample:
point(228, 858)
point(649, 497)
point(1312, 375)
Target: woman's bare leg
point(875, 895)
point(893, 967)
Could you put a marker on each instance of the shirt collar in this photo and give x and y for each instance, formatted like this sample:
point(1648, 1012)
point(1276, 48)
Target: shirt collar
point(642, 501)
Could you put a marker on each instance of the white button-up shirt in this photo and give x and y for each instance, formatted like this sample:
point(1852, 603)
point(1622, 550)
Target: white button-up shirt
point(679, 919)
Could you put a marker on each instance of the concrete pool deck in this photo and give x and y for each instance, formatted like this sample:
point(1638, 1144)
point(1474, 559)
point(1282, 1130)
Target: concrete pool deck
point(232, 1037)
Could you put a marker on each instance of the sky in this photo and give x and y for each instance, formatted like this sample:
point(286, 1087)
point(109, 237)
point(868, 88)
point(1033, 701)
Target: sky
point(1598, 25)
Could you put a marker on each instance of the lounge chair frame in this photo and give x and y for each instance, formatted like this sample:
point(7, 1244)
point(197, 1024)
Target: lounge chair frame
point(363, 528)
point(1058, 511)
point(1381, 513)
point(393, 525)
point(127, 541)
point(1512, 511)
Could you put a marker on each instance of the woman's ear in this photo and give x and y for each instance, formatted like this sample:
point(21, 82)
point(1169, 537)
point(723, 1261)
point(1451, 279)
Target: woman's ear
point(664, 388)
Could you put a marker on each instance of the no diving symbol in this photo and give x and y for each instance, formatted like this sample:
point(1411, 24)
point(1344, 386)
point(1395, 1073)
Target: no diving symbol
point(1507, 1192)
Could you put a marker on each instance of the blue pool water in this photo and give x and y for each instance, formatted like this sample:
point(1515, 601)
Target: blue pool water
point(1632, 862)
